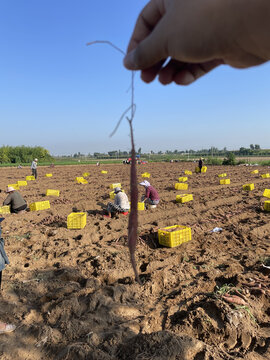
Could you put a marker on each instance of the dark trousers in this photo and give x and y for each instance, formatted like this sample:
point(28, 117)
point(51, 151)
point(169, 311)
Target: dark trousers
point(15, 211)
point(34, 173)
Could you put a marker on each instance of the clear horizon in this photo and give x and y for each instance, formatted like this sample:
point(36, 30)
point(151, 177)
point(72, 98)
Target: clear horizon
point(60, 94)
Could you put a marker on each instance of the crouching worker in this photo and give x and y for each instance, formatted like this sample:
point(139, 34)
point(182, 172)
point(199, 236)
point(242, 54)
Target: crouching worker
point(120, 204)
point(151, 196)
point(4, 328)
point(15, 200)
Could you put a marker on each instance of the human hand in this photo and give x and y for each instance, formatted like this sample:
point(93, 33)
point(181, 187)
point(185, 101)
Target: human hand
point(180, 41)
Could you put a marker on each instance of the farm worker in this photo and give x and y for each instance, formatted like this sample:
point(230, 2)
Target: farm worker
point(200, 164)
point(34, 168)
point(121, 203)
point(151, 195)
point(15, 200)
point(196, 37)
point(4, 328)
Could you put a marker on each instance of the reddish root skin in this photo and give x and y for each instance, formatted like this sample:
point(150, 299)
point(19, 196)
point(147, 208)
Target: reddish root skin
point(133, 217)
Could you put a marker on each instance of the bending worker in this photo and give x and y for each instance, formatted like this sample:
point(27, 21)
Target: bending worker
point(151, 195)
point(15, 200)
point(120, 205)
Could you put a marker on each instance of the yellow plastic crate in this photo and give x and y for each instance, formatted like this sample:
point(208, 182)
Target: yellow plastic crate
point(146, 175)
point(183, 179)
point(180, 235)
point(113, 186)
point(104, 172)
point(15, 186)
point(39, 205)
point(224, 181)
point(181, 186)
point(266, 193)
point(184, 198)
point(48, 175)
point(248, 187)
point(76, 220)
point(197, 169)
point(222, 175)
point(265, 176)
point(82, 181)
point(21, 183)
point(141, 206)
point(255, 172)
point(30, 178)
point(86, 174)
point(267, 205)
point(187, 172)
point(204, 169)
point(5, 209)
point(50, 192)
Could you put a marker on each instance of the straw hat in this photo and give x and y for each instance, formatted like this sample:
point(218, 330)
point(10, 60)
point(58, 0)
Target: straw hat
point(10, 188)
point(117, 190)
point(36, 159)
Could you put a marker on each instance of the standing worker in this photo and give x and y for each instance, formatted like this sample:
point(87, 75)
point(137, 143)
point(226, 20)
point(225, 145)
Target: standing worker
point(151, 195)
point(15, 200)
point(34, 168)
point(4, 328)
point(200, 165)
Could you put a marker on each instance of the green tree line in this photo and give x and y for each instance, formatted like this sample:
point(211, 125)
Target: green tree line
point(23, 154)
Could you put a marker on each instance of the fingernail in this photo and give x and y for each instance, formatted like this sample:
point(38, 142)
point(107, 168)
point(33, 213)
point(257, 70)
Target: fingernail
point(129, 62)
point(188, 78)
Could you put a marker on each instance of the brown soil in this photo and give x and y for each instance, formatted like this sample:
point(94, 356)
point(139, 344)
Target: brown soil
point(72, 293)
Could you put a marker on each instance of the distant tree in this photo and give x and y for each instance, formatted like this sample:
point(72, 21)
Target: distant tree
point(230, 159)
point(244, 151)
point(257, 147)
point(140, 151)
point(113, 153)
point(251, 146)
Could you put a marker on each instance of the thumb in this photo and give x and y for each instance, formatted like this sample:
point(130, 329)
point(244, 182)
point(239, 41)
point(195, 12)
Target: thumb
point(149, 51)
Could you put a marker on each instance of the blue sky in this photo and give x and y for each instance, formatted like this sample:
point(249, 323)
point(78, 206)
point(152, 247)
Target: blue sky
point(58, 93)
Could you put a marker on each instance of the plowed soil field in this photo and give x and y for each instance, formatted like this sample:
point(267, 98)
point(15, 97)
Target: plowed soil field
point(72, 293)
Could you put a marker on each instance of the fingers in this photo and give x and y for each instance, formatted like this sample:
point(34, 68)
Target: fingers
point(183, 73)
point(147, 20)
point(149, 75)
point(147, 45)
